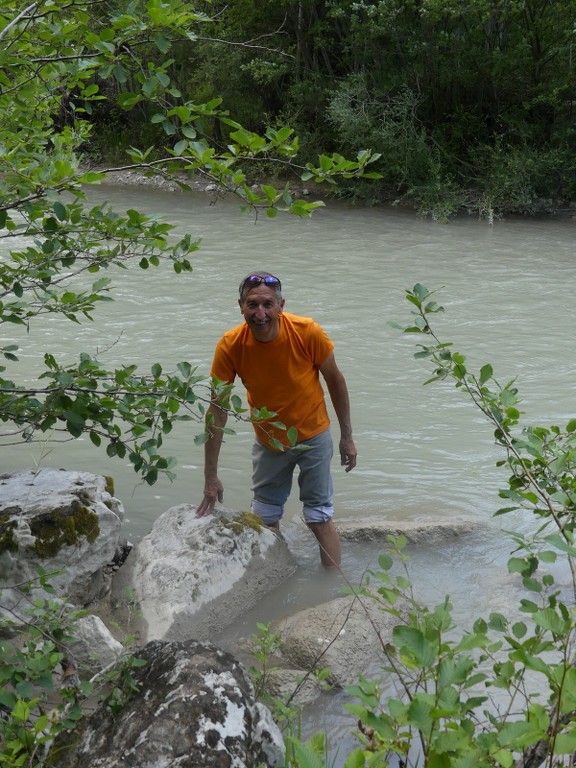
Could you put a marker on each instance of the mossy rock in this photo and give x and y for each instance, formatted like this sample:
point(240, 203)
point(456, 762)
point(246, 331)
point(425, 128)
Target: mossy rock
point(109, 484)
point(238, 523)
point(7, 540)
point(64, 527)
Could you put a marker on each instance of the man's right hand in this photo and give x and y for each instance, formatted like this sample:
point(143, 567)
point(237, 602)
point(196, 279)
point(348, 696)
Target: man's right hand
point(213, 491)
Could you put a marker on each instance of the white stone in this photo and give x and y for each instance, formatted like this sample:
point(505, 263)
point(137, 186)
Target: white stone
point(191, 577)
point(34, 494)
point(94, 644)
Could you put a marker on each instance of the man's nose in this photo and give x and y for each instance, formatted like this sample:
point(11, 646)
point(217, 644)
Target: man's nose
point(260, 313)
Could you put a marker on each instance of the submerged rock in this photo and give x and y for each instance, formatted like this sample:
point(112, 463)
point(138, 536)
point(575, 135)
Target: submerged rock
point(195, 707)
point(427, 532)
point(345, 635)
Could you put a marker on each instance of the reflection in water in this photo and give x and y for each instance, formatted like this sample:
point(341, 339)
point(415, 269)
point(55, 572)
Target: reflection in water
point(423, 452)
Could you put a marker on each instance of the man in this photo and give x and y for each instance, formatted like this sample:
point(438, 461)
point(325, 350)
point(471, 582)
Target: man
point(279, 357)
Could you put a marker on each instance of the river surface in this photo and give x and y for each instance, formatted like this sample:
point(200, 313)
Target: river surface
point(424, 453)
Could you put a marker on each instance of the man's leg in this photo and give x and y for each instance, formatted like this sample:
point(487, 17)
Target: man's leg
point(316, 494)
point(271, 483)
point(329, 543)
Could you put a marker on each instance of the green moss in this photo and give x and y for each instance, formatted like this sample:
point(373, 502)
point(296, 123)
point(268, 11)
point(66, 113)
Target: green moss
point(109, 488)
point(64, 527)
point(7, 541)
point(244, 520)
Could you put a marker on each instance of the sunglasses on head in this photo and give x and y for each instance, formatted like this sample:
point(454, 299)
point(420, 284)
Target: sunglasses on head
point(254, 280)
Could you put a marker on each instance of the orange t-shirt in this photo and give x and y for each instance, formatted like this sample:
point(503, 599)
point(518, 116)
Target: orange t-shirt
point(282, 375)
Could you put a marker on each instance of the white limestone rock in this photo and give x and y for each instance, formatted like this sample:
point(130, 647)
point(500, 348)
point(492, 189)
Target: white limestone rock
point(94, 644)
point(191, 577)
point(57, 520)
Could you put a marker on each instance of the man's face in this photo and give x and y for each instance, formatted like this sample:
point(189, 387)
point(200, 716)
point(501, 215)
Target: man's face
point(261, 310)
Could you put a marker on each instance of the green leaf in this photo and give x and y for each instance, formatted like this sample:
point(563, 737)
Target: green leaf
point(21, 711)
point(162, 43)
point(7, 698)
point(565, 742)
point(549, 619)
point(151, 476)
point(60, 211)
point(419, 713)
point(486, 373)
point(95, 439)
point(411, 641)
point(519, 735)
point(385, 561)
point(180, 147)
point(292, 435)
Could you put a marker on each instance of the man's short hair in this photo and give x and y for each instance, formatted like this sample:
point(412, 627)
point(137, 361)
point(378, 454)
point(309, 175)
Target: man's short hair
point(267, 279)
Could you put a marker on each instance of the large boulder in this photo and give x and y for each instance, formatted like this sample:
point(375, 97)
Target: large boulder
point(195, 708)
point(57, 520)
point(191, 577)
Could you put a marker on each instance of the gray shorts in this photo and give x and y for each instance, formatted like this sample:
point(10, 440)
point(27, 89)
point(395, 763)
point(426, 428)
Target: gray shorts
point(272, 479)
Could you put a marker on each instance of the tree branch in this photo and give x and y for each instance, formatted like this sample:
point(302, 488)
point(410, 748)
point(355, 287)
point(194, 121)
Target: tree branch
point(18, 18)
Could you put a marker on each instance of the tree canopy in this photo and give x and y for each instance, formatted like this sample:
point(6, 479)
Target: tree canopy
point(468, 105)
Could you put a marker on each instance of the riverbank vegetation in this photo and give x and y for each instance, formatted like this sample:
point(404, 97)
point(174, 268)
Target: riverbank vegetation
point(470, 106)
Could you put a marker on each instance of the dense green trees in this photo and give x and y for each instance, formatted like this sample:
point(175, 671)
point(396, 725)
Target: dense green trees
point(468, 104)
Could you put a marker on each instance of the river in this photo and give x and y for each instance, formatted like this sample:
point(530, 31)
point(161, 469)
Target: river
point(423, 452)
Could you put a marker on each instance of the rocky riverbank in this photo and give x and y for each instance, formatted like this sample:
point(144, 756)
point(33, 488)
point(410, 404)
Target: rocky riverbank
point(179, 588)
point(160, 178)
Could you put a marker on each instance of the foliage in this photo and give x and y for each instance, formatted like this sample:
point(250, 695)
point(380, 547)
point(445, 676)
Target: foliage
point(265, 645)
point(502, 692)
point(59, 63)
point(479, 75)
point(527, 179)
point(35, 657)
point(388, 121)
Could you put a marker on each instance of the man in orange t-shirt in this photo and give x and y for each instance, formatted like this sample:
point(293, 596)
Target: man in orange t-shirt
point(279, 357)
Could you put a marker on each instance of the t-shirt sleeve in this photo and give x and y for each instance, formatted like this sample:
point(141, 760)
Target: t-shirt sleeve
point(320, 345)
point(222, 365)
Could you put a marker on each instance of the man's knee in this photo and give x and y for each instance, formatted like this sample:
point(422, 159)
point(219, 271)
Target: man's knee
point(270, 514)
point(321, 513)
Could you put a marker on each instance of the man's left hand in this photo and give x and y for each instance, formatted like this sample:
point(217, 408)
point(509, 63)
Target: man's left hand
point(348, 453)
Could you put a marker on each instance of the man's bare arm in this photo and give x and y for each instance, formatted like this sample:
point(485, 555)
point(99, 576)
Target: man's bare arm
point(340, 398)
point(213, 488)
